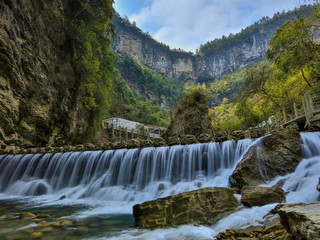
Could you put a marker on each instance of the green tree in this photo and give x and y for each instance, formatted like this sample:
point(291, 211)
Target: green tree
point(256, 80)
point(293, 47)
point(244, 112)
point(90, 35)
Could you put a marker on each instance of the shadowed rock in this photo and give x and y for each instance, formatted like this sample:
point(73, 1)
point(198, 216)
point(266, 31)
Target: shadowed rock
point(274, 155)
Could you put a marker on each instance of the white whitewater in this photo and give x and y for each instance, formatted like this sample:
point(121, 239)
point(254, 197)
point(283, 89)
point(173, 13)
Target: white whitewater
point(300, 186)
point(113, 181)
point(133, 175)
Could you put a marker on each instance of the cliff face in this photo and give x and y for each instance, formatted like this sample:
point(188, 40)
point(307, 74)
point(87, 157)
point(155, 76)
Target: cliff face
point(144, 50)
point(231, 58)
point(187, 66)
point(40, 102)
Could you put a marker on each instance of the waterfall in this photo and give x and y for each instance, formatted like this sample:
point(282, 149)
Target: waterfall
point(107, 183)
point(121, 175)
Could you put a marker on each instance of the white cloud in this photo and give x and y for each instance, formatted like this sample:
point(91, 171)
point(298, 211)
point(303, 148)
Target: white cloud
point(188, 23)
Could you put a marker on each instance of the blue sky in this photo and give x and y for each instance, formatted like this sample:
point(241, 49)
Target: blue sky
point(188, 23)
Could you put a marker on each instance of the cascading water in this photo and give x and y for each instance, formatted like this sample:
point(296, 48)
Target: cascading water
point(123, 175)
point(110, 182)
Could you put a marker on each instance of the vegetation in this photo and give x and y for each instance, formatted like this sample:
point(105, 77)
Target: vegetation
point(258, 28)
point(130, 105)
point(290, 70)
point(90, 33)
point(149, 82)
point(191, 115)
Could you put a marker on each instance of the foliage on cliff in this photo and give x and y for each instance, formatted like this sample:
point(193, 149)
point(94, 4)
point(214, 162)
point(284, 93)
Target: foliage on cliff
point(192, 115)
point(292, 69)
point(258, 28)
point(124, 23)
point(55, 70)
point(149, 83)
point(90, 33)
point(128, 104)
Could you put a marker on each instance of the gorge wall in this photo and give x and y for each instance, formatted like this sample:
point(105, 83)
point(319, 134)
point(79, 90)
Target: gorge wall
point(212, 62)
point(40, 96)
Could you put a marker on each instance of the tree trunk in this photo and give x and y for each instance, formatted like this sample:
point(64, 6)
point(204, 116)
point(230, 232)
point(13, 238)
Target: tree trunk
point(304, 77)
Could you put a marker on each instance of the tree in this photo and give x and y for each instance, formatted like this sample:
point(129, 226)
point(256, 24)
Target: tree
point(293, 46)
point(256, 79)
point(244, 112)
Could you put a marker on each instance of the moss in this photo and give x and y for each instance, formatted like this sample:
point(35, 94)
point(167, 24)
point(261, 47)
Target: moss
point(192, 116)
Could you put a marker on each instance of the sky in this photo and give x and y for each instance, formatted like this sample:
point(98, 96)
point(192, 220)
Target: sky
point(186, 24)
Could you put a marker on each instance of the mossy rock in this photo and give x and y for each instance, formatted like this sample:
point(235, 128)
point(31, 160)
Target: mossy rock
point(260, 196)
point(188, 139)
point(173, 141)
point(203, 206)
point(24, 215)
point(192, 116)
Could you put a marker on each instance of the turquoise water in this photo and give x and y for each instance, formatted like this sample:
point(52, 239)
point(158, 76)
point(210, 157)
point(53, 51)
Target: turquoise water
point(57, 221)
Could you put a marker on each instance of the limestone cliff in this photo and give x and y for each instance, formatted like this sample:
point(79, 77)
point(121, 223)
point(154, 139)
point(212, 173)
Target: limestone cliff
point(215, 58)
point(143, 49)
point(40, 100)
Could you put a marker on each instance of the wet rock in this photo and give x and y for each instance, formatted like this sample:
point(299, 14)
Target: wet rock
point(58, 149)
point(80, 148)
point(221, 136)
point(43, 216)
point(275, 155)
point(133, 143)
point(46, 229)
point(42, 223)
point(12, 149)
point(159, 142)
point(36, 235)
point(188, 139)
point(119, 145)
point(173, 141)
point(203, 206)
point(63, 197)
point(7, 217)
point(260, 196)
point(237, 135)
point(24, 215)
point(62, 222)
point(89, 146)
point(205, 138)
point(106, 146)
point(301, 219)
point(256, 132)
point(39, 189)
point(49, 149)
point(273, 230)
point(146, 143)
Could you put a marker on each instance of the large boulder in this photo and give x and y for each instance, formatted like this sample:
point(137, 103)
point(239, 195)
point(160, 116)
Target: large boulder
point(274, 155)
point(203, 206)
point(273, 230)
point(260, 196)
point(301, 219)
point(192, 116)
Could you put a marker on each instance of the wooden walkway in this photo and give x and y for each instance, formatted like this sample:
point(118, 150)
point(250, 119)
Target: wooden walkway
point(303, 116)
